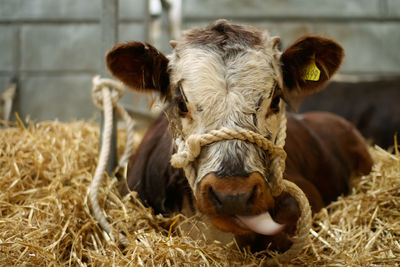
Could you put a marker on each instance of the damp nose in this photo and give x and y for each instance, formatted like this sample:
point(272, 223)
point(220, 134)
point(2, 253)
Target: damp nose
point(232, 203)
point(231, 196)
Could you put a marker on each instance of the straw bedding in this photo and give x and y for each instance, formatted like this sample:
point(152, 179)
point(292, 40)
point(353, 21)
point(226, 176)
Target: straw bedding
point(45, 220)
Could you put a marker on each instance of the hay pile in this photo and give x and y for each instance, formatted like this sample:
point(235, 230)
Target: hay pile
point(45, 170)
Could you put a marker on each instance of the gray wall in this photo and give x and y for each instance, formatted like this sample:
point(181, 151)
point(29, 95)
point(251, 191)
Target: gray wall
point(53, 46)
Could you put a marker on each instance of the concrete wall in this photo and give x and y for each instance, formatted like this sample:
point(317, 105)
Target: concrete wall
point(53, 47)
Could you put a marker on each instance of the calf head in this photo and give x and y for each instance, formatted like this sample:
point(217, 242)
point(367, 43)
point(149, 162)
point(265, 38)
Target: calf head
point(232, 76)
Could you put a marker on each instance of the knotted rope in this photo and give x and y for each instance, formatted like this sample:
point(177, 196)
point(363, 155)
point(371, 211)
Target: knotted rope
point(106, 101)
point(188, 150)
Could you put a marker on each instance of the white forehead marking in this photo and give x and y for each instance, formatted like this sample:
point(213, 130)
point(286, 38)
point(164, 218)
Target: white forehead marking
point(223, 87)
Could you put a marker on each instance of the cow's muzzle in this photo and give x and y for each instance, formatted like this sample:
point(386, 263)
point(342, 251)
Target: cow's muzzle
point(237, 204)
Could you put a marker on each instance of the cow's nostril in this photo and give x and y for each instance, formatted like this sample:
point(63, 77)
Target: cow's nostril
point(216, 201)
point(252, 196)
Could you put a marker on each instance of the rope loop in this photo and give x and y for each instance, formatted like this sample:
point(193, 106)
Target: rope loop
point(188, 151)
point(105, 94)
point(117, 90)
point(303, 225)
point(191, 149)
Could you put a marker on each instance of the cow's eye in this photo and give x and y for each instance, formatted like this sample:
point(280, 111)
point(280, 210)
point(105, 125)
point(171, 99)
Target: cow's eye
point(274, 107)
point(181, 106)
point(260, 101)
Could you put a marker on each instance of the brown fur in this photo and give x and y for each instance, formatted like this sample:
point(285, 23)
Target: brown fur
point(224, 35)
point(373, 106)
point(152, 176)
point(323, 152)
point(140, 66)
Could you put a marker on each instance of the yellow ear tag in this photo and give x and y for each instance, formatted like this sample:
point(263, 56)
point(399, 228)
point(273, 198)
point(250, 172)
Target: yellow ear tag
point(311, 72)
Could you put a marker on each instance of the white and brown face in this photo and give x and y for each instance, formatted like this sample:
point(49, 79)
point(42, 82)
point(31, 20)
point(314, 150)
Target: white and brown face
point(227, 76)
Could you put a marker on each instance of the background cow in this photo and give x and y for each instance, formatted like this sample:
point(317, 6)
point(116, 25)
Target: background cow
point(234, 76)
point(371, 105)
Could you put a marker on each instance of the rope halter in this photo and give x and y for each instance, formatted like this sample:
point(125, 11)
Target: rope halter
point(99, 84)
point(189, 150)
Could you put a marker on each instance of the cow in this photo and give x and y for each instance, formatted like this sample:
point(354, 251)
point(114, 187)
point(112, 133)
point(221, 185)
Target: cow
point(234, 76)
point(361, 102)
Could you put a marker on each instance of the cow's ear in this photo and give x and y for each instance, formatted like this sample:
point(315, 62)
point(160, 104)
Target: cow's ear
point(309, 63)
point(140, 66)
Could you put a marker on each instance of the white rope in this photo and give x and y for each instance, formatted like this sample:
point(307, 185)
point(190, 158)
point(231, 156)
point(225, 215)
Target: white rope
point(106, 101)
point(130, 133)
point(99, 84)
point(303, 225)
point(103, 159)
point(189, 150)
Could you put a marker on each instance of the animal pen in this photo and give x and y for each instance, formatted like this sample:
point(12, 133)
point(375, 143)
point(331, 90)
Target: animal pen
point(47, 169)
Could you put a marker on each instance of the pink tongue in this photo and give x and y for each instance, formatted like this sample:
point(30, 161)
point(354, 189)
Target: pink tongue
point(261, 224)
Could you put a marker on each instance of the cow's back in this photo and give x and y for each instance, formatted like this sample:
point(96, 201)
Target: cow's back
point(150, 173)
point(327, 151)
point(323, 151)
